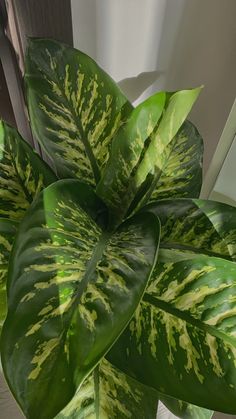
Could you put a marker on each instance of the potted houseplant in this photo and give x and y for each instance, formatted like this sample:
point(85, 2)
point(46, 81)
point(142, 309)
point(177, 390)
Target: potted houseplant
point(120, 281)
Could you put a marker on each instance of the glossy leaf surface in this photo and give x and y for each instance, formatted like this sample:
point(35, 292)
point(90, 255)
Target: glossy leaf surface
point(140, 151)
point(197, 225)
point(22, 175)
point(72, 289)
point(181, 176)
point(75, 108)
point(8, 231)
point(184, 327)
point(117, 184)
point(108, 393)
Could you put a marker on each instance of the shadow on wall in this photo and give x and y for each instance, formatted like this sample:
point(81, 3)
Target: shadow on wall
point(204, 53)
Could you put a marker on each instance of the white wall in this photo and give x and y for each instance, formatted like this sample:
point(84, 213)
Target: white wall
point(189, 43)
point(205, 53)
point(123, 36)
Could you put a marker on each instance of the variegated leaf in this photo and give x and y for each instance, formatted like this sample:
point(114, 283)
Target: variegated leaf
point(181, 176)
point(128, 150)
point(73, 287)
point(185, 327)
point(110, 394)
point(22, 175)
point(141, 150)
point(197, 225)
point(75, 108)
point(185, 410)
point(8, 230)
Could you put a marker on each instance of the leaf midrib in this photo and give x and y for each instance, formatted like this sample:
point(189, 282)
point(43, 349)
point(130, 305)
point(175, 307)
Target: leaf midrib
point(158, 171)
point(172, 145)
point(83, 138)
point(26, 193)
point(198, 250)
point(91, 266)
point(96, 256)
point(168, 308)
point(97, 253)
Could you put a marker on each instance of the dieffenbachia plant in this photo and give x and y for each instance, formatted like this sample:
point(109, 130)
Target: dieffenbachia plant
point(120, 283)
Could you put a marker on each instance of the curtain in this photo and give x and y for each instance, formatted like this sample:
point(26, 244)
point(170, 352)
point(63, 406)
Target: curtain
point(180, 43)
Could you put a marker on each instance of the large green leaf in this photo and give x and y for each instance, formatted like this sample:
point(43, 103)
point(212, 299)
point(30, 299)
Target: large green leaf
point(110, 394)
point(8, 230)
point(22, 175)
point(73, 286)
point(75, 108)
point(185, 327)
point(128, 148)
point(185, 410)
point(181, 176)
point(197, 225)
point(140, 151)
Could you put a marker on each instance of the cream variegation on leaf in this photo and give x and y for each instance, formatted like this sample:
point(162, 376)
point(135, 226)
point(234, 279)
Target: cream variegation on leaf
point(8, 229)
point(75, 108)
point(84, 281)
point(141, 150)
point(185, 325)
point(108, 393)
point(185, 410)
point(80, 284)
point(181, 174)
point(22, 176)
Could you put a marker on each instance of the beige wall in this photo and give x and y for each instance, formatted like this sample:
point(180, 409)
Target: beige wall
point(204, 52)
point(188, 42)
